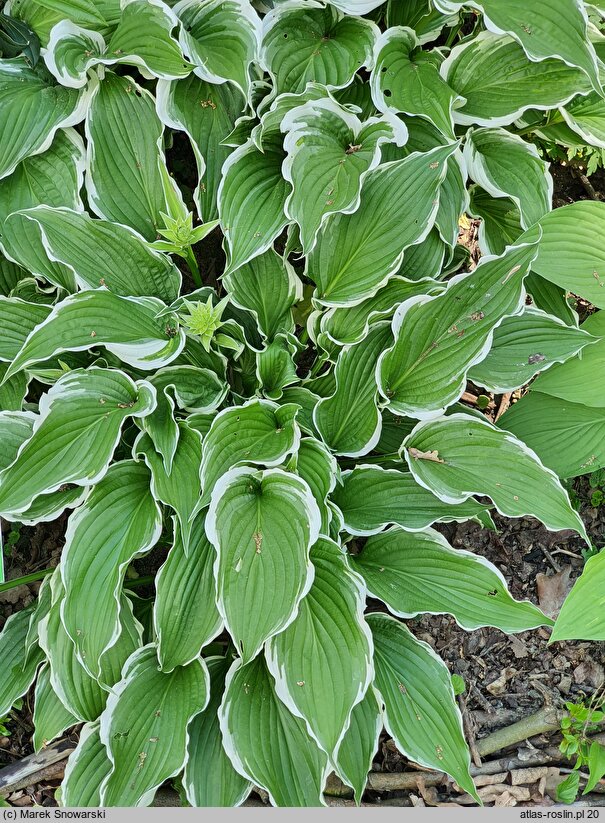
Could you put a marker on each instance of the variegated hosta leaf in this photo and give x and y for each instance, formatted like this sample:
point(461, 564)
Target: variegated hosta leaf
point(329, 153)
point(144, 726)
point(437, 339)
point(557, 30)
point(187, 579)
point(92, 252)
point(360, 743)
point(498, 81)
point(18, 663)
point(356, 6)
point(101, 16)
point(582, 615)
point(419, 15)
point(127, 326)
point(54, 177)
point(347, 326)
point(586, 116)
point(406, 79)
point(262, 525)
point(13, 390)
point(209, 778)
point(142, 38)
point(356, 253)
point(74, 435)
point(268, 286)
point(275, 366)
point(221, 38)
point(451, 456)
point(188, 387)
point(570, 252)
point(35, 107)
point(17, 320)
point(259, 432)
point(124, 182)
point(551, 298)
point(49, 507)
point(305, 42)
point(420, 710)
point(266, 743)
point(348, 420)
point(86, 769)
point(323, 688)
point(50, 716)
point(207, 113)
point(273, 110)
point(179, 488)
point(11, 274)
point(119, 521)
point(525, 345)
point(418, 573)
point(251, 198)
point(506, 165)
point(319, 469)
point(371, 497)
point(575, 380)
point(500, 220)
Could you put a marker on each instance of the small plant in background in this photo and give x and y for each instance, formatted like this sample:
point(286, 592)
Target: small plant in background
point(286, 435)
point(577, 726)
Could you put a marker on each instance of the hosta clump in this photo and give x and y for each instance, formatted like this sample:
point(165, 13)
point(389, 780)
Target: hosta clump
point(287, 435)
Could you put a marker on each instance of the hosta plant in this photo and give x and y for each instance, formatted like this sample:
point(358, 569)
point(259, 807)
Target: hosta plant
point(282, 429)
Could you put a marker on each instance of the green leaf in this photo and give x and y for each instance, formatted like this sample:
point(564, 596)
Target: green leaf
point(420, 711)
point(360, 743)
point(371, 498)
point(259, 432)
point(186, 578)
point(568, 437)
point(127, 326)
point(54, 177)
point(18, 319)
point(420, 573)
point(438, 339)
point(574, 380)
point(50, 717)
point(450, 457)
point(86, 770)
point(323, 688)
point(207, 113)
point(319, 469)
point(582, 614)
point(128, 265)
point(119, 521)
point(75, 434)
point(13, 390)
point(35, 107)
point(349, 421)
point(356, 254)
point(406, 79)
point(144, 726)
point(266, 743)
point(586, 117)
point(346, 326)
point(209, 778)
point(124, 182)
point(557, 30)
point(500, 220)
point(310, 43)
point(567, 789)
point(179, 488)
point(596, 765)
point(221, 38)
point(190, 388)
point(329, 153)
point(251, 198)
point(506, 165)
point(525, 345)
point(275, 366)
point(267, 286)
point(18, 664)
point(262, 526)
point(498, 82)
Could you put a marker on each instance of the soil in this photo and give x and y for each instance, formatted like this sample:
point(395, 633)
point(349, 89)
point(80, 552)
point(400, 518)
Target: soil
point(506, 678)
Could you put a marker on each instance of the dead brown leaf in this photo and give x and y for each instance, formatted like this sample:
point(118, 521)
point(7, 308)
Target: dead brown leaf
point(420, 455)
point(498, 686)
point(589, 673)
point(552, 590)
